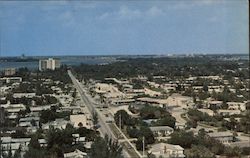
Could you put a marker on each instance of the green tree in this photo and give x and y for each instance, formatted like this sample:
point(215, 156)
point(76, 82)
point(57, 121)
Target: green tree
point(47, 115)
point(33, 122)
point(95, 118)
point(182, 138)
point(105, 148)
point(34, 149)
point(17, 153)
point(122, 117)
point(147, 134)
point(168, 120)
point(199, 152)
point(139, 144)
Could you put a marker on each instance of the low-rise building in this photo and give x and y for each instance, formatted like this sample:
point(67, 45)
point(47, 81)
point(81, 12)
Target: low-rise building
point(13, 108)
point(223, 137)
point(40, 108)
point(162, 130)
point(75, 154)
point(80, 120)
point(228, 112)
point(179, 100)
point(214, 104)
point(11, 79)
point(207, 111)
point(236, 106)
point(167, 150)
point(27, 95)
point(58, 123)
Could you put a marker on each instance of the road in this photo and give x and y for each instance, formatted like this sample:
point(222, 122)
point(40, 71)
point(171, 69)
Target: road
point(177, 112)
point(104, 127)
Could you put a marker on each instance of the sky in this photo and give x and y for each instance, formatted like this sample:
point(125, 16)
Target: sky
point(123, 27)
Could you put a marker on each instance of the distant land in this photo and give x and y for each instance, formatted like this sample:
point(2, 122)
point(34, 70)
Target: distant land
point(31, 62)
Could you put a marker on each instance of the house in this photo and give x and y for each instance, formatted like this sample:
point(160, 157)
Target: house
point(8, 143)
point(153, 84)
point(75, 154)
point(214, 104)
point(4, 89)
point(120, 82)
point(27, 95)
point(40, 108)
point(122, 101)
point(228, 112)
point(13, 108)
point(154, 101)
point(169, 87)
point(178, 100)
point(211, 77)
point(207, 111)
point(223, 137)
point(180, 125)
point(11, 79)
point(162, 130)
point(151, 92)
point(76, 120)
point(28, 121)
point(166, 150)
point(240, 144)
point(217, 89)
point(236, 106)
point(58, 123)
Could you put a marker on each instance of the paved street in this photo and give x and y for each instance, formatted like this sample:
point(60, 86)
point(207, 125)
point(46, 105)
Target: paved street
point(104, 128)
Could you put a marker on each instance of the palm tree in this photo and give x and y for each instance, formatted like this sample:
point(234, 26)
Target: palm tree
point(105, 148)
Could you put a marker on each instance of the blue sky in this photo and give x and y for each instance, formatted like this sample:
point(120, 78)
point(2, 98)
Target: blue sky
point(123, 27)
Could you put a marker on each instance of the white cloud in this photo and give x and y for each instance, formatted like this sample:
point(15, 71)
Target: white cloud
point(155, 11)
point(104, 16)
point(125, 12)
point(194, 3)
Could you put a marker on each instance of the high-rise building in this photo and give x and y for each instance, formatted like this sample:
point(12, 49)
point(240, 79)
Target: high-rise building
point(49, 64)
point(42, 65)
point(9, 71)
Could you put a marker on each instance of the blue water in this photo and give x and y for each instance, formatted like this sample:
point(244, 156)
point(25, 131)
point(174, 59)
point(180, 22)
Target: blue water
point(67, 61)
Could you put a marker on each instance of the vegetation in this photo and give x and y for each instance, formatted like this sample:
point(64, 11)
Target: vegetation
point(59, 141)
point(164, 66)
point(52, 115)
point(163, 116)
point(202, 145)
point(105, 148)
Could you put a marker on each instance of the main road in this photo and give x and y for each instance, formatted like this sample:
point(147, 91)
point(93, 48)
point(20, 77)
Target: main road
point(104, 127)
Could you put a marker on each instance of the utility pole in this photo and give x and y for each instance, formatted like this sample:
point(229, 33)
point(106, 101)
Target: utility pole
point(143, 146)
point(120, 121)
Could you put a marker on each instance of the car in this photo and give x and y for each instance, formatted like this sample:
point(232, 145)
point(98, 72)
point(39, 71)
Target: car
point(97, 126)
point(109, 121)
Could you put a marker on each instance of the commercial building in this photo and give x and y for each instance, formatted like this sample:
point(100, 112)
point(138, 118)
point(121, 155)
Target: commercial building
point(49, 64)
